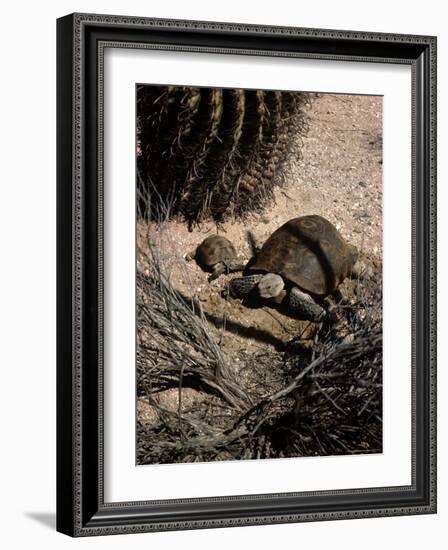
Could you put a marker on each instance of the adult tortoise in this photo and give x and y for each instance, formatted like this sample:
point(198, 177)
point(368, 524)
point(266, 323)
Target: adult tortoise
point(301, 263)
point(216, 254)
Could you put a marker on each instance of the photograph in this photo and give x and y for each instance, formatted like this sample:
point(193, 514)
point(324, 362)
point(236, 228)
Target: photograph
point(246, 273)
point(259, 270)
point(221, 257)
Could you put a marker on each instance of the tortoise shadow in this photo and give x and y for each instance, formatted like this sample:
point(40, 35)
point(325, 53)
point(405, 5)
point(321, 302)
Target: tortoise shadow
point(237, 328)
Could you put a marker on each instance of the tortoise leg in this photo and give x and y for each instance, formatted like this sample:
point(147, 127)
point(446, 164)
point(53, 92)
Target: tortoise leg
point(225, 267)
point(304, 306)
point(218, 270)
point(234, 265)
point(242, 286)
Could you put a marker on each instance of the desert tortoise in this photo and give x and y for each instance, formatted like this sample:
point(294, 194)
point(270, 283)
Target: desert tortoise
point(216, 254)
point(303, 260)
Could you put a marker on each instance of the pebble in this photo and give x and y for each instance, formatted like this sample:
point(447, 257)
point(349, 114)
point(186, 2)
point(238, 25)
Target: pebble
point(348, 339)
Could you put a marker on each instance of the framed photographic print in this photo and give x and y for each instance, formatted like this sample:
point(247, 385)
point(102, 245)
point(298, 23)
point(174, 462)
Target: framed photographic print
point(246, 274)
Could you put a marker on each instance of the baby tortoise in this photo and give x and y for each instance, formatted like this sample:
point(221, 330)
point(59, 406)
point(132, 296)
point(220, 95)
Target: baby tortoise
point(216, 254)
point(300, 264)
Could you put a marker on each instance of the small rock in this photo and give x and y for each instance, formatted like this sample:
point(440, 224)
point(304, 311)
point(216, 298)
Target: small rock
point(350, 338)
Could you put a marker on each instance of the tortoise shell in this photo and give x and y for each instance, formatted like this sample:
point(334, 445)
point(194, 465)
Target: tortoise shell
point(214, 249)
point(308, 252)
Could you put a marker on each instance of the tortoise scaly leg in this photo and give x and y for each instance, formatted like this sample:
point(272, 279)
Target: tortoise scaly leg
point(242, 286)
point(225, 267)
point(304, 306)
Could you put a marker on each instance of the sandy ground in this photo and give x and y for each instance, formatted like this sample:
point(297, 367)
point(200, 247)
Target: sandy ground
point(338, 175)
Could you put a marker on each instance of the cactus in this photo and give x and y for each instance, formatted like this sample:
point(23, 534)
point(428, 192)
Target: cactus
point(213, 153)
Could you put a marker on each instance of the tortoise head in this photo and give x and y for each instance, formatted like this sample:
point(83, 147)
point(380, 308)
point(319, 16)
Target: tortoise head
point(270, 285)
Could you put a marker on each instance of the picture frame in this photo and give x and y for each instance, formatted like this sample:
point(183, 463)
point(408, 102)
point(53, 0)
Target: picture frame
point(81, 506)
